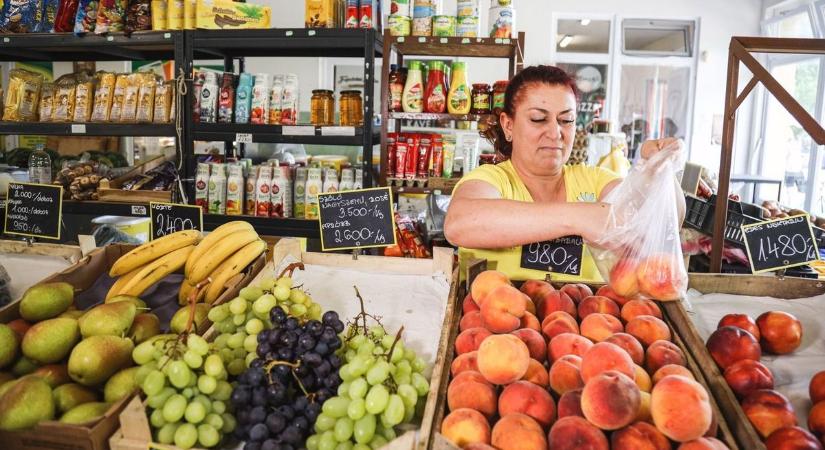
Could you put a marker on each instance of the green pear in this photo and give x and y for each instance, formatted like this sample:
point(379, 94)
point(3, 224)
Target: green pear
point(107, 319)
point(26, 404)
point(51, 340)
point(8, 345)
point(53, 374)
point(73, 314)
point(95, 359)
point(139, 304)
point(84, 413)
point(181, 318)
point(7, 385)
point(70, 395)
point(46, 300)
point(120, 385)
point(145, 326)
point(4, 377)
point(24, 366)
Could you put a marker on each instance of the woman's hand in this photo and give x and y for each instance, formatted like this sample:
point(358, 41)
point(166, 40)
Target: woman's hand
point(653, 146)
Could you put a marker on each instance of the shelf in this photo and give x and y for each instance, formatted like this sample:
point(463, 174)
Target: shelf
point(297, 42)
point(274, 133)
point(455, 46)
point(142, 45)
point(437, 116)
point(421, 190)
point(87, 129)
point(268, 226)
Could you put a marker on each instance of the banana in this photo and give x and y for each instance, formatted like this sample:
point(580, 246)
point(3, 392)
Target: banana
point(120, 282)
point(153, 250)
point(212, 239)
point(219, 253)
point(156, 271)
point(186, 289)
point(231, 267)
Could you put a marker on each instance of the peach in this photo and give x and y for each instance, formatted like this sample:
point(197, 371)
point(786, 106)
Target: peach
point(671, 369)
point(703, 443)
point(640, 307)
point(816, 419)
point(567, 344)
point(472, 319)
point(536, 374)
point(730, 344)
point(639, 436)
point(599, 327)
point(469, 339)
point(607, 291)
point(503, 358)
point(644, 408)
point(478, 446)
point(465, 426)
point(768, 411)
point(565, 374)
point(746, 376)
point(611, 400)
point(553, 301)
point(576, 433)
point(534, 341)
point(680, 408)
point(503, 308)
point(642, 379)
point(535, 288)
point(603, 357)
point(570, 404)
point(630, 344)
point(742, 321)
point(558, 322)
point(470, 390)
point(595, 304)
point(528, 320)
point(662, 353)
point(792, 438)
point(527, 398)
point(661, 277)
point(816, 390)
point(469, 305)
point(465, 361)
point(518, 432)
point(648, 329)
point(623, 279)
point(577, 291)
point(485, 283)
point(780, 332)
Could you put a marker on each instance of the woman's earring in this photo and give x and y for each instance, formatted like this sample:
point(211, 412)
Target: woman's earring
point(508, 138)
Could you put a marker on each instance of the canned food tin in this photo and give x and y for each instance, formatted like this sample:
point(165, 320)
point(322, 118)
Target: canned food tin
point(400, 8)
point(467, 27)
point(399, 25)
point(467, 8)
point(422, 26)
point(425, 8)
point(444, 26)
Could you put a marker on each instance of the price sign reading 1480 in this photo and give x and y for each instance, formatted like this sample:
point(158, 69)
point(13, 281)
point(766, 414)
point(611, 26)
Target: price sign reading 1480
point(780, 244)
point(356, 219)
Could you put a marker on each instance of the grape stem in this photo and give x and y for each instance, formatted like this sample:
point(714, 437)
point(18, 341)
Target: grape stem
point(193, 301)
point(291, 269)
point(363, 316)
point(397, 338)
point(292, 367)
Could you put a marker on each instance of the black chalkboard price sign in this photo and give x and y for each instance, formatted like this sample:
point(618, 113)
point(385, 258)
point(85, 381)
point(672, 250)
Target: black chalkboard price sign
point(356, 219)
point(562, 255)
point(780, 244)
point(34, 210)
point(167, 218)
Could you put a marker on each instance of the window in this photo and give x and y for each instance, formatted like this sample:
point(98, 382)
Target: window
point(657, 37)
point(591, 80)
point(583, 36)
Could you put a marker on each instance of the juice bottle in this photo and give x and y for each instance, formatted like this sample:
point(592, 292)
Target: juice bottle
point(226, 98)
point(259, 110)
point(262, 186)
point(276, 193)
point(358, 183)
point(313, 188)
point(243, 98)
point(234, 190)
point(202, 187)
point(209, 98)
point(249, 192)
point(412, 100)
point(287, 190)
point(330, 180)
point(436, 94)
point(458, 100)
point(275, 100)
point(347, 180)
point(217, 190)
point(300, 192)
point(289, 100)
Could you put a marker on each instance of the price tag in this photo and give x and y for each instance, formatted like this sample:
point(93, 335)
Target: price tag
point(110, 38)
point(78, 128)
point(299, 130)
point(311, 33)
point(780, 243)
point(6, 40)
point(243, 138)
point(422, 39)
point(167, 35)
point(443, 40)
point(167, 218)
point(356, 219)
point(498, 40)
point(290, 33)
point(138, 210)
point(400, 39)
point(562, 255)
point(34, 210)
point(337, 131)
point(465, 41)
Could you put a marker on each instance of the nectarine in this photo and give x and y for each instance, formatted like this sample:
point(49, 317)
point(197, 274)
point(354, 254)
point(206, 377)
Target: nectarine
point(816, 390)
point(742, 321)
point(792, 438)
point(730, 344)
point(780, 332)
point(816, 419)
point(746, 376)
point(768, 411)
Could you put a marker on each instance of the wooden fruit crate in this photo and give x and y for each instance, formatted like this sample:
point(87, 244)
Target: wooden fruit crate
point(748, 285)
point(439, 442)
point(114, 193)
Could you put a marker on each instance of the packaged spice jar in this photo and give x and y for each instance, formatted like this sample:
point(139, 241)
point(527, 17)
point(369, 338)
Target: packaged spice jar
point(436, 94)
point(482, 96)
point(352, 109)
point(398, 76)
point(499, 90)
point(322, 108)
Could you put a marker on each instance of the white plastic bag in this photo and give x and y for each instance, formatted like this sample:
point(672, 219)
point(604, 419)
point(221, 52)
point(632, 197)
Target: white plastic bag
point(640, 252)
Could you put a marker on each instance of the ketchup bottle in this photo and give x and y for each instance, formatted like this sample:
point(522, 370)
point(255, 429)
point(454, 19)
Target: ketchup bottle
point(435, 95)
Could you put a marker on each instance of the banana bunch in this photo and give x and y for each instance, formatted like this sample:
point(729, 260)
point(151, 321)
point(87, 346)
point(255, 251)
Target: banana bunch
point(222, 254)
point(616, 162)
point(151, 262)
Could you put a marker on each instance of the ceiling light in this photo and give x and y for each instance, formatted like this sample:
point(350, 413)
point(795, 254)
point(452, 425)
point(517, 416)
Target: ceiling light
point(585, 22)
point(565, 41)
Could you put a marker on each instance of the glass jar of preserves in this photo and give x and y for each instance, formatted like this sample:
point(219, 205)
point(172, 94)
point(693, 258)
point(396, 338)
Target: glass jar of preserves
point(482, 98)
point(499, 89)
point(352, 109)
point(322, 107)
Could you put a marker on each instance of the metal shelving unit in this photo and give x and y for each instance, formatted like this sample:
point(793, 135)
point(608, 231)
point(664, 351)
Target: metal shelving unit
point(87, 129)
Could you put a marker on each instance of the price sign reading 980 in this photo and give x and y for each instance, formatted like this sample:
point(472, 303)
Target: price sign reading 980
point(562, 255)
point(780, 244)
point(356, 219)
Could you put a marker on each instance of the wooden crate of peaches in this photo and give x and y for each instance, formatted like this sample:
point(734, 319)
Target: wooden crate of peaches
point(540, 368)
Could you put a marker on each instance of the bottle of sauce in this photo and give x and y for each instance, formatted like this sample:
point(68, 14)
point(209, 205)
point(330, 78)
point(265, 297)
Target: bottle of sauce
point(398, 77)
point(436, 94)
point(499, 91)
point(412, 99)
point(458, 100)
point(482, 96)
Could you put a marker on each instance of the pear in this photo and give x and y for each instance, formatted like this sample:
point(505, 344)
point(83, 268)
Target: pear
point(8, 345)
point(7, 385)
point(181, 318)
point(53, 374)
point(46, 300)
point(4, 377)
point(70, 395)
point(120, 385)
point(24, 366)
point(26, 404)
point(109, 318)
point(51, 340)
point(73, 314)
point(84, 413)
point(97, 358)
point(145, 326)
point(139, 304)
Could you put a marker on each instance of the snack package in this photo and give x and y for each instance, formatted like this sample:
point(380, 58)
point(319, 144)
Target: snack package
point(64, 98)
point(22, 96)
point(20, 16)
point(46, 102)
point(86, 17)
point(111, 16)
point(48, 14)
point(104, 92)
point(174, 14)
point(158, 14)
point(146, 97)
point(163, 102)
point(130, 98)
point(66, 15)
point(121, 83)
point(84, 98)
point(138, 16)
point(640, 251)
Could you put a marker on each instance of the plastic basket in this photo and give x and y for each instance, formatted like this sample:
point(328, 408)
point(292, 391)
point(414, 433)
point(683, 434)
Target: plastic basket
point(699, 215)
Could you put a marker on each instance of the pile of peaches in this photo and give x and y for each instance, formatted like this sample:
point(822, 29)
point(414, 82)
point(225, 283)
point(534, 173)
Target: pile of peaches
point(539, 368)
point(737, 346)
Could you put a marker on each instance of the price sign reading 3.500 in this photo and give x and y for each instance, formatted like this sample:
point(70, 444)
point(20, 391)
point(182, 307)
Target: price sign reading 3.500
point(356, 219)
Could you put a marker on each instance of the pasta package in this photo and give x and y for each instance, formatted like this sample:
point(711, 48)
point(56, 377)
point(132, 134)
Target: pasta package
point(46, 108)
point(158, 14)
point(163, 102)
point(174, 15)
point(48, 14)
point(84, 96)
point(64, 98)
point(130, 98)
point(138, 16)
point(66, 14)
point(20, 16)
point(104, 92)
point(146, 97)
point(111, 15)
point(86, 17)
point(121, 83)
point(22, 96)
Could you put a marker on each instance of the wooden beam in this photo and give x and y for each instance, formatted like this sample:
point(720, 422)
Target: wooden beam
point(745, 92)
point(782, 45)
